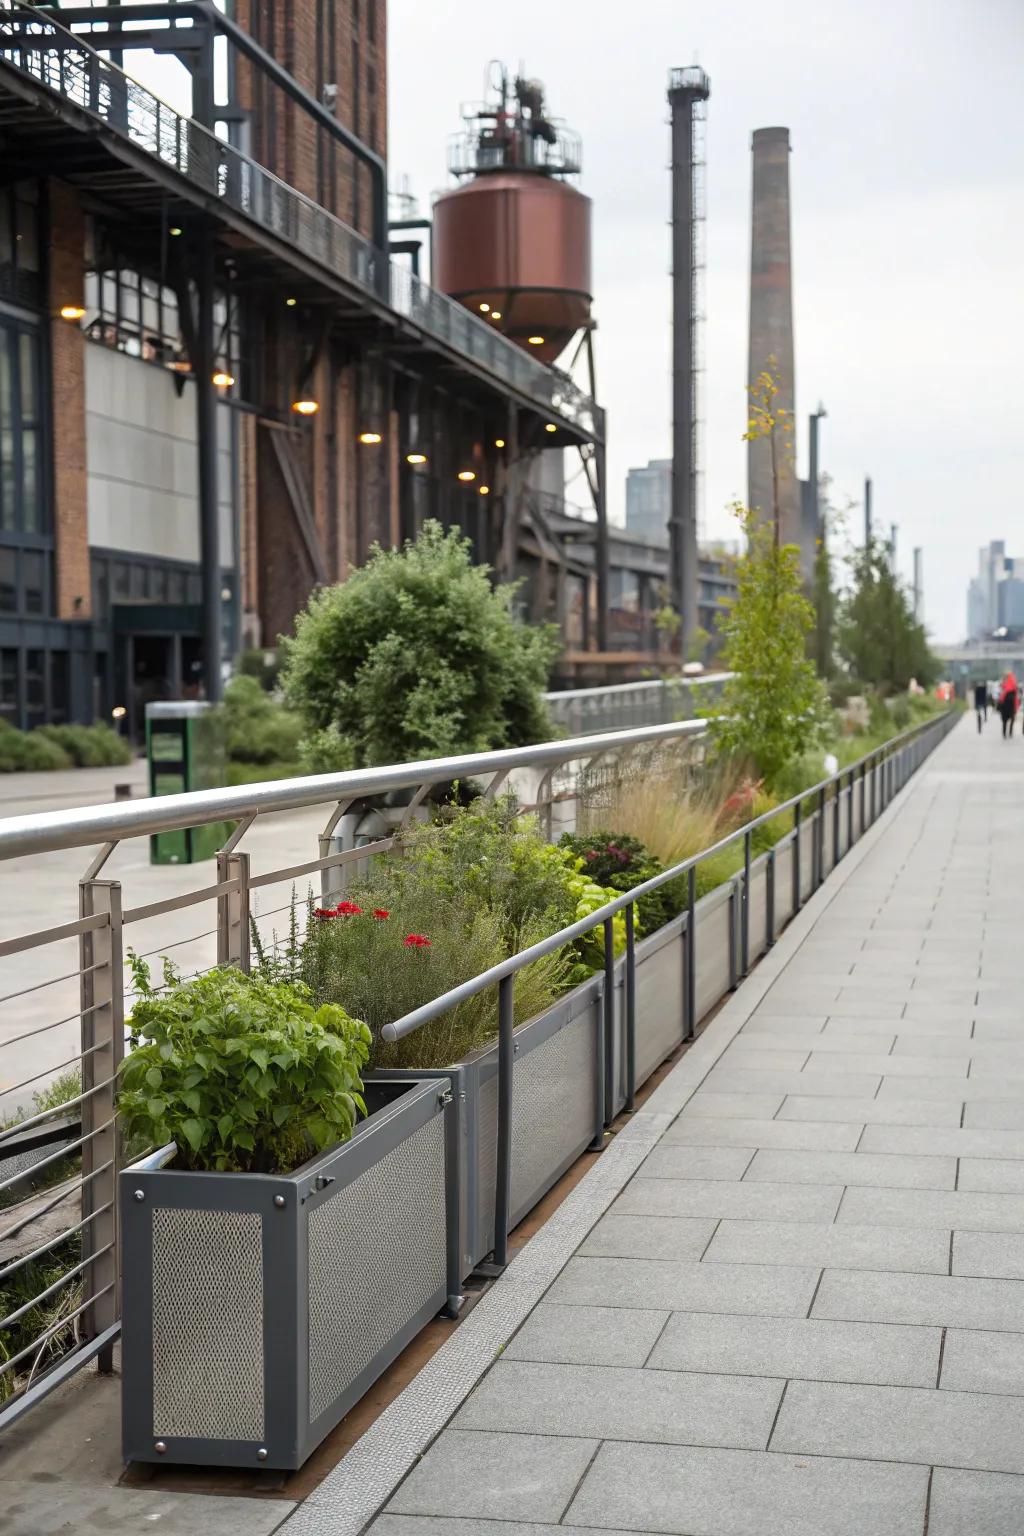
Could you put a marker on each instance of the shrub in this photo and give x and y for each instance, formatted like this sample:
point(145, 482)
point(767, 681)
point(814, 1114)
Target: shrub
point(29, 751)
point(257, 728)
point(415, 655)
point(240, 1071)
point(88, 746)
point(588, 897)
point(386, 962)
point(620, 862)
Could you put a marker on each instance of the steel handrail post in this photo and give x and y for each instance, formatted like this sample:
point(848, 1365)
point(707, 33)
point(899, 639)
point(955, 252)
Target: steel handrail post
point(745, 909)
point(797, 880)
point(608, 930)
point(836, 814)
point(631, 1007)
point(690, 954)
point(822, 802)
point(769, 900)
point(506, 1059)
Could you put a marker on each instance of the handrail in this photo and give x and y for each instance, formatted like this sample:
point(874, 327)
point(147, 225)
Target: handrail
point(220, 170)
point(602, 915)
point(618, 689)
point(83, 827)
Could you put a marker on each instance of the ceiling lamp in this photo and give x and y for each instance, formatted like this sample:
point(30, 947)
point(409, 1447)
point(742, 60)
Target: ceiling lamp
point(499, 442)
point(223, 380)
point(175, 229)
point(495, 314)
point(305, 407)
point(535, 341)
point(415, 458)
point(484, 308)
point(550, 427)
point(291, 303)
point(370, 438)
point(467, 474)
point(73, 312)
point(485, 490)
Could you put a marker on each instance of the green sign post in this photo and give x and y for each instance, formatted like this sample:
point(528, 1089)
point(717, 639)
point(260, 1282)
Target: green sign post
point(185, 750)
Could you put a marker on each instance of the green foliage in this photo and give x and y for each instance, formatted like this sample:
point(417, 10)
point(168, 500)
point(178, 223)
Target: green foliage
point(879, 639)
point(620, 862)
point(774, 706)
point(255, 663)
point(53, 1312)
point(88, 746)
point(257, 729)
point(589, 897)
point(415, 655)
point(240, 1071)
point(29, 751)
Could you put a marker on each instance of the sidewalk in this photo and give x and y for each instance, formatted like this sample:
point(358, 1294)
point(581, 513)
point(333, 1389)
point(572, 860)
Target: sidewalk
point(794, 1308)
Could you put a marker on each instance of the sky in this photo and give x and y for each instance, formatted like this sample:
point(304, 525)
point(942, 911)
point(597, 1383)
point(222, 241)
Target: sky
point(907, 184)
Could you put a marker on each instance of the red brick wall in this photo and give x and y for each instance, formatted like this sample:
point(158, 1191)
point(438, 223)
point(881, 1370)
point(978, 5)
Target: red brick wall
point(67, 367)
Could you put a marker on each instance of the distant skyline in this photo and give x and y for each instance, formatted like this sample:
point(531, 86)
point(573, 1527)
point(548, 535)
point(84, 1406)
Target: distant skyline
point(907, 177)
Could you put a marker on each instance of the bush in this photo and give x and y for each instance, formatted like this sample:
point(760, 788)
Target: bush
point(29, 751)
point(240, 1071)
point(620, 862)
point(415, 655)
point(88, 746)
point(258, 729)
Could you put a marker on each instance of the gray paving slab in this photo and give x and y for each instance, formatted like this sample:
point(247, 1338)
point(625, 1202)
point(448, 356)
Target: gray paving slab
point(820, 1042)
point(58, 1508)
point(765, 1289)
point(868, 1112)
point(994, 1114)
point(430, 1525)
point(968, 1429)
point(880, 1170)
point(914, 1250)
point(990, 1174)
point(615, 1403)
point(749, 1057)
point(791, 1134)
point(956, 1027)
point(737, 1080)
point(997, 1255)
point(948, 1141)
point(886, 1066)
point(726, 1106)
point(974, 1360)
point(953, 1301)
point(686, 1492)
point(759, 1202)
point(619, 1235)
point(588, 1335)
point(702, 1162)
point(975, 1503)
point(813, 1348)
point(496, 1476)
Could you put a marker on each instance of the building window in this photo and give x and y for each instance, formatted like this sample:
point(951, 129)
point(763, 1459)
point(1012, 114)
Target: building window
point(22, 500)
point(19, 243)
point(9, 710)
point(35, 689)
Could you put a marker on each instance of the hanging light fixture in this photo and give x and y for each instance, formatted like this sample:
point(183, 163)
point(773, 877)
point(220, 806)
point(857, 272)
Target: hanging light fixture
point(485, 490)
point(467, 475)
point(73, 312)
point(305, 407)
point(222, 380)
point(550, 427)
point(415, 458)
point(499, 442)
point(535, 341)
point(370, 439)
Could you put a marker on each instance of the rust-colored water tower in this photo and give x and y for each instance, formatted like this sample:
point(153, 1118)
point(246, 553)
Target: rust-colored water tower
point(512, 242)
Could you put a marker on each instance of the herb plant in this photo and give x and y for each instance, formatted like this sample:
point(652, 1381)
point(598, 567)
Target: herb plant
point(620, 862)
point(240, 1071)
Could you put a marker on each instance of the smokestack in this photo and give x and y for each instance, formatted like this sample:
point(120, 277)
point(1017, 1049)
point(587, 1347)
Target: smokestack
point(688, 90)
point(918, 582)
point(771, 333)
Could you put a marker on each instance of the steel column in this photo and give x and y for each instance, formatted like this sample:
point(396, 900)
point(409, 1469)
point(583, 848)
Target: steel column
point(506, 1059)
point(631, 1007)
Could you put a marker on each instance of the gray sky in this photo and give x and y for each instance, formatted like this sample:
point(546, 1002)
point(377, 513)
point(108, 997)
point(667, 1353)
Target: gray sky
point(907, 177)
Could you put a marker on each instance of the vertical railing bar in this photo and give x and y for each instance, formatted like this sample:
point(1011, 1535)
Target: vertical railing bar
point(503, 1181)
point(233, 940)
point(631, 1007)
point(769, 901)
point(822, 802)
point(690, 953)
point(797, 873)
point(745, 909)
point(836, 815)
point(608, 928)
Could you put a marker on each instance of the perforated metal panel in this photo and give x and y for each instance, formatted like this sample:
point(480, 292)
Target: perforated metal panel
point(376, 1257)
point(659, 1004)
point(553, 1098)
point(757, 916)
point(208, 1324)
point(713, 951)
point(783, 886)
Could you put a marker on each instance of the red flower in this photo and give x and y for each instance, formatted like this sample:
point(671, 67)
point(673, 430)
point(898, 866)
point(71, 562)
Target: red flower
point(347, 909)
point(324, 912)
point(380, 913)
point(416, 941)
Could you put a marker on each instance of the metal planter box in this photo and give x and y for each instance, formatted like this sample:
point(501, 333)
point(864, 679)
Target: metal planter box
point(259, 1308)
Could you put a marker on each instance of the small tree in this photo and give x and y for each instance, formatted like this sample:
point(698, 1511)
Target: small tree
point(415, 655)
point(774, 707)
point(769, 421)
point(879, 639)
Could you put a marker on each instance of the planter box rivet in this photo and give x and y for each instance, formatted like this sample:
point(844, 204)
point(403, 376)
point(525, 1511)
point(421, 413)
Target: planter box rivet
point(160, 1447)
point(261, 1454)
point(140, 1194)
point(279, 1202)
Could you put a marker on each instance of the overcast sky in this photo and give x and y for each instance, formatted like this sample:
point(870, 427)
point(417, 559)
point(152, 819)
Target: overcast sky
point(907, 178)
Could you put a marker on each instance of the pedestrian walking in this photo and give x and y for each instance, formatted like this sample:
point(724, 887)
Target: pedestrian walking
point(981, 703)
point(1008, 699)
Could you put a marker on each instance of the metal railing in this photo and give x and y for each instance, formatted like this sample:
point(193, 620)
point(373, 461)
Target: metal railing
point(59, 1161)
point(579, 711)
point(73, 70)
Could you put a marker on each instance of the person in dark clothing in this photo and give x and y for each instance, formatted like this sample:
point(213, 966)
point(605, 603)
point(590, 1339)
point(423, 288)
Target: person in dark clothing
point(1008, 703)
point(981, 703)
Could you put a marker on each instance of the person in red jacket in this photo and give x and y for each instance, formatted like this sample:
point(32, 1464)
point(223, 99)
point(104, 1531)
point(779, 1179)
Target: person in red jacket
point(1009, 697)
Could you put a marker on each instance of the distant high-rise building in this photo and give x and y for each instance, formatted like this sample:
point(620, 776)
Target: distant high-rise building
point(995, 597)
point(649, 501)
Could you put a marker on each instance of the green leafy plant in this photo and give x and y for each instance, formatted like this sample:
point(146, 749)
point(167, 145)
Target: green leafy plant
point(879, 639)
point(620, 862)
point(257, 728)
point(587, 897)
point(239, 1070)
point(88, 746)
point(415, 655)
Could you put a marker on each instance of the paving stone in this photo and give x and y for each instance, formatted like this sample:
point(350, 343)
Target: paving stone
point(735, 1080)
point(587, 1335)
point(953, 1301)
point(935, 1141)
point(777, 1007)
point(757, 1289)
point(692, 1492)
point(762, 1202)
point(56, 1507)
point(817, 1349)
point(702, 1162)
point(904, 1424)
point(418, 1525)
point(764, 1027)
point(793, 1135)
point(619, 1235)
point(926, 1112)
point(877, 1169)
point(990, 1174)
point(886, 1066)
point(975, 1503)
point(994, 1115)
point(495, 1476)
point(613, 1403)
point(835, 1246)
point(775, 1015)
point(999, 1255)
point(746, 1055)
point(956, 1027)
point(822, 1043)
point(959, 1210)
point(725, 1106)
point(974, 1360)
point(957, 1089)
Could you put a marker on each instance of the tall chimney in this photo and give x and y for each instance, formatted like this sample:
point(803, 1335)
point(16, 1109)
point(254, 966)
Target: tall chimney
point(918, 583)
point(771, 333)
